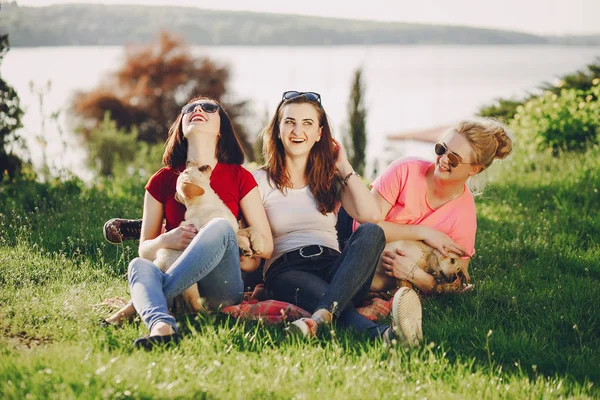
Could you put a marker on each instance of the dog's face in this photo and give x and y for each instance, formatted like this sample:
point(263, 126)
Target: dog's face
point(192, 182)
point(447, 269)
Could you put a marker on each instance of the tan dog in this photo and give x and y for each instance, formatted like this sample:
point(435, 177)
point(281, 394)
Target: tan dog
point(203, 205)
point(446, 270)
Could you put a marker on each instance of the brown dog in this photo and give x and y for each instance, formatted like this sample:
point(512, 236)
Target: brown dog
point(203, 205)
point(447, 271)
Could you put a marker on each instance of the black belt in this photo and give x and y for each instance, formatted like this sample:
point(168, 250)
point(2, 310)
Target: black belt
point(308, 252)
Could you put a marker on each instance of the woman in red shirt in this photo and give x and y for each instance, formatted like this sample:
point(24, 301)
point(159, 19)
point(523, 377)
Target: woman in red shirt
point(203, 133)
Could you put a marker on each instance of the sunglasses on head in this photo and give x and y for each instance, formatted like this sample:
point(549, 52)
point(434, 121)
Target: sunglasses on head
point(310, 96)
point(205, 106)
point(453, 159)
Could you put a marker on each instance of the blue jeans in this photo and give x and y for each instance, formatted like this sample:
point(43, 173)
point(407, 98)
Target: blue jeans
point(211, 260)
point(336, 283)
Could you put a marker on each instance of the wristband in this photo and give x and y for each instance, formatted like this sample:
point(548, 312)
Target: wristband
point(411, 275)
point(347, 177)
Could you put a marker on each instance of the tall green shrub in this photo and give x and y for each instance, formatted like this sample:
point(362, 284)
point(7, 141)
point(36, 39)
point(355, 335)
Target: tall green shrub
point(10, 120)
point(110, 146)
point(355, 141)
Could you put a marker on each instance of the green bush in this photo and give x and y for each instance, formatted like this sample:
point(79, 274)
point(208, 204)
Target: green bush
point(505, 109)
point(117, 153)
point(502, 109)
point(109, 145)
point(565, 122)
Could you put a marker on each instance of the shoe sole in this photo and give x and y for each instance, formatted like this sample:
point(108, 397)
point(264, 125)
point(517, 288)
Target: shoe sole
point(104, 230)
point(408, 315)
point(154, 342)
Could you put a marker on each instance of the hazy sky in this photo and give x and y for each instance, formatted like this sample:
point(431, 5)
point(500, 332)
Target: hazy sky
point(554, 17)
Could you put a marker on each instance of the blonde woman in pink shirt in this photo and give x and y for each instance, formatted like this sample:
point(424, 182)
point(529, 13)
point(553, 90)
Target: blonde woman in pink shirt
point(430, 201)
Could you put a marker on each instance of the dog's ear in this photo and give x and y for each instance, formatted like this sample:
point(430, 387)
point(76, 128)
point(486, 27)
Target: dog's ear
point(178, 198)
point(191, 190)
point(433, 260)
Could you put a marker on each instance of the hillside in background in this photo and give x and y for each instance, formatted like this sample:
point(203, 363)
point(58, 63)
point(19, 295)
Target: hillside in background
point(90, 24)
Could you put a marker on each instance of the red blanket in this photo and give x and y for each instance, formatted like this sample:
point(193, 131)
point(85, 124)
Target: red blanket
point(272, 311)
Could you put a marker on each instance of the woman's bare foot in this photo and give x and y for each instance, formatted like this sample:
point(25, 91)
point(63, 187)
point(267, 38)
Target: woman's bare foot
point(162, 329)
point(127, 313)
point(322, 316)
point(161, 335)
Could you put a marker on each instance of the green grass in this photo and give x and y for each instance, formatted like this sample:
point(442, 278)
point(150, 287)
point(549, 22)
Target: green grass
point(530, 329)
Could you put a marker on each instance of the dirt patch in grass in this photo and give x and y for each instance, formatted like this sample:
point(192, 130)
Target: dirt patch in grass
point(23, 341)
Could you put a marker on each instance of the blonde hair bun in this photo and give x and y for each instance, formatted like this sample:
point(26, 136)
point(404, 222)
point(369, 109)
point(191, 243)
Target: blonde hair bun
point(504, 143)
point(488, 138)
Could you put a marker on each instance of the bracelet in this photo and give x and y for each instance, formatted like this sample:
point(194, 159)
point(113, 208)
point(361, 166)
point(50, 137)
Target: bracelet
point(411, 273)
point(347, 177)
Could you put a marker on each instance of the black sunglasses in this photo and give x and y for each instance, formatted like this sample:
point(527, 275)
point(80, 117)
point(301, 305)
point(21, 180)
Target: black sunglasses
point(310, 96)
point(453, 159)
point(206, 106)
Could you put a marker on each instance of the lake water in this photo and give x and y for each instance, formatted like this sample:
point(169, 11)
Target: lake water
point(407, 87)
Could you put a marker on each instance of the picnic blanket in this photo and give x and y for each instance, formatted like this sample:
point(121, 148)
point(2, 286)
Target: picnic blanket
point(256, 307)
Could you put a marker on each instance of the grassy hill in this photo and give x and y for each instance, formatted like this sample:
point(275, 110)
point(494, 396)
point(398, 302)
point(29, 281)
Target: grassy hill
point(530, 328)
point(89, 24)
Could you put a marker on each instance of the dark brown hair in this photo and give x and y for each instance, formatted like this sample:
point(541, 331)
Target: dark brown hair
point(320, 168)
point(228, 150)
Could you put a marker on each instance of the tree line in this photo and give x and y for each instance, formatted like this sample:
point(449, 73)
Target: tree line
point(94, 24)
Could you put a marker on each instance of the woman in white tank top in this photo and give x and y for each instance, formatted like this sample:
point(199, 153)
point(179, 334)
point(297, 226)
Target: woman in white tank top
point(306, 178)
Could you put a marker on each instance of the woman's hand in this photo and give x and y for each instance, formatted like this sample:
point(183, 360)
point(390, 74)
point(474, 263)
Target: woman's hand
point(243, 245)
point(179, 238)
point(341, 158)
point(441, 242)
point(398, 265)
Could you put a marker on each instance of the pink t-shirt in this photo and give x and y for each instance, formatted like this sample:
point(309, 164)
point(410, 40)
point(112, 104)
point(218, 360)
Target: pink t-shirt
point(403, 185)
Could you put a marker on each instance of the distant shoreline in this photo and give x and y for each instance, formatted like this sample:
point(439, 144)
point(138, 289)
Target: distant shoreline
point(116, 25)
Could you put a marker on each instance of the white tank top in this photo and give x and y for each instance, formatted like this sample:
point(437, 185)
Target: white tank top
point(294, 218)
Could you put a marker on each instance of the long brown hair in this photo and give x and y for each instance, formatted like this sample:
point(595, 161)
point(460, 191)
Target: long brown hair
point(228, 150)
point(320, 168)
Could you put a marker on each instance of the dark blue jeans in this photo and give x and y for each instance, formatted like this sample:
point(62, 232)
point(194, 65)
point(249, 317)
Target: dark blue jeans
point(337, 283)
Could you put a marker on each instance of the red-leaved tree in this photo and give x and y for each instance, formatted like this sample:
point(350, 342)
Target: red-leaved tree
point(149, 89)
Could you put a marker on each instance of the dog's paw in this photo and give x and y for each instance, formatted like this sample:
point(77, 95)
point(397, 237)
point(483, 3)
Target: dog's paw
point(245, 251)
point(244, 243)
point(257, 242)
point(193, 302)
point(453, 287)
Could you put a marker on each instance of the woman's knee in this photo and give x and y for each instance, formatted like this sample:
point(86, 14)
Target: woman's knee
point(140, 266)
point(221, 227)
point(133, 267)
point(372, 232)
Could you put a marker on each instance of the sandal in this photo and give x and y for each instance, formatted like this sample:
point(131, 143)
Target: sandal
point(104, 323)
point(152, 342)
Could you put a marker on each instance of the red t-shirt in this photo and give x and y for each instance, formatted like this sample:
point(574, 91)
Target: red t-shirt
point(231, 182)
